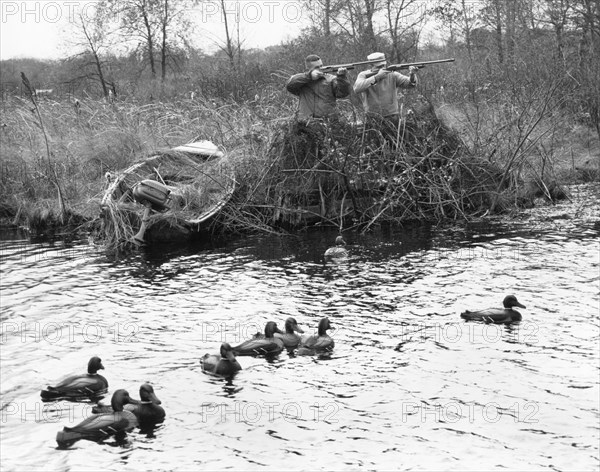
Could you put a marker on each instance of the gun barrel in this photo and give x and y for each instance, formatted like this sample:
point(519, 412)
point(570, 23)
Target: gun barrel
point(349, 66)
point(423, 63)
point(394, 67)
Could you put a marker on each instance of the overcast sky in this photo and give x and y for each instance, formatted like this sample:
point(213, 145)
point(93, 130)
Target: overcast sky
point(41, 29)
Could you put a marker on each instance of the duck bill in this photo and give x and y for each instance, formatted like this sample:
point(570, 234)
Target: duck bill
point(154, 399)
point(520, 305)
point(298, 329)
point(100, 366)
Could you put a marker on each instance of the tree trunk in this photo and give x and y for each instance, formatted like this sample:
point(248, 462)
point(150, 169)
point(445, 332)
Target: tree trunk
point(327, 19)
point(467, 30)
point(96, 59)
point(149, 38)
point(510, 30)
point(163, 52)
point(369, 33)
point(496, 21)
point(559, 42)
point(228, 41)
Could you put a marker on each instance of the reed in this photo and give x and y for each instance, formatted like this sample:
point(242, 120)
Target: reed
point(349, 174)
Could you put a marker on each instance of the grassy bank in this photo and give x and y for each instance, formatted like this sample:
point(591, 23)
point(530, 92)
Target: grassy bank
point(455, 159)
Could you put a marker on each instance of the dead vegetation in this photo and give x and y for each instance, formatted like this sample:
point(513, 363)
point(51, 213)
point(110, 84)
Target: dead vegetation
point(444, 160)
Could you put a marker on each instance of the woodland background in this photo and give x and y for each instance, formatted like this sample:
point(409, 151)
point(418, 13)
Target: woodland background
point(524, 92)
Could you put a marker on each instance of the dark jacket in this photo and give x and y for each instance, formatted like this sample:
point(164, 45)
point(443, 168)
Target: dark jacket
point(318, 97)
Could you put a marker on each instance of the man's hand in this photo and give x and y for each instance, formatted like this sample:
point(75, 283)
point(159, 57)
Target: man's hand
point(412, 74)
point(341, 72)
point(316, 74)
point(381, 74)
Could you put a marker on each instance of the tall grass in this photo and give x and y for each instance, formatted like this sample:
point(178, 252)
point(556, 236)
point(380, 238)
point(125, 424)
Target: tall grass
point(92, 137)
point(449, 160)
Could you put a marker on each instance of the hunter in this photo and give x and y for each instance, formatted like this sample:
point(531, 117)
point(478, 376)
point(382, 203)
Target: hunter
point(377, 89)
point(318, 91)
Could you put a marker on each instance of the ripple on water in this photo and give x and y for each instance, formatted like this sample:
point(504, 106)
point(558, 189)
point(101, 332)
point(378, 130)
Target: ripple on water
point(408, 386)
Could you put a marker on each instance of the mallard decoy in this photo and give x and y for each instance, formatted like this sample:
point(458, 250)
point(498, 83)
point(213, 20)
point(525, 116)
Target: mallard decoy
point(224, 363)
point(496, 315)
point(87, 385)
point(146, 409)
point(317, 344)
point(290, 339)
point(269, 345)
point(339, 250)
point(103, 425)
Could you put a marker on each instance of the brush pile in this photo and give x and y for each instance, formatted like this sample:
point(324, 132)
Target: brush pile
point(361, 174)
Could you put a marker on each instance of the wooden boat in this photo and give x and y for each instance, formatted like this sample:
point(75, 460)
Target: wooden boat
point(170, 196)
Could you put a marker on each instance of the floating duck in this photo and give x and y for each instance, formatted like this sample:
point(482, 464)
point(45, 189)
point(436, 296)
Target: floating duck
point(496, 315)
point(88, 385)
point(338, 250)
point(290, 339)
point(103, 425)
point(318, 344)
point(146, 410)
point(262, 346)
point(224, 363)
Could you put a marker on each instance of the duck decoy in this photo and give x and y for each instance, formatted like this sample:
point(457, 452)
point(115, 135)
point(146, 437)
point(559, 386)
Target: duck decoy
point(337, 251)
point(224, 363)
point(146, 409)
point(87, 385)
point(103, 425)
point(269, 345)
point(496, 315)
point(317, 344)
point(290, 339)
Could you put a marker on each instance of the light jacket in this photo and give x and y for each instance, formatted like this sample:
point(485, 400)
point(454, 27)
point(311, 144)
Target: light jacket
point(380, 97)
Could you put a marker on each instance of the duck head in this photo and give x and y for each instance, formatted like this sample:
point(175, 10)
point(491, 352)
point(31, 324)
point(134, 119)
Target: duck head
point(147, 394)
point(94, 365)
point(511, 301)
point(291, 325)
point(324, 325)
point(339, 241)
point(119, 399)
point(271, 328)
point(227, 352)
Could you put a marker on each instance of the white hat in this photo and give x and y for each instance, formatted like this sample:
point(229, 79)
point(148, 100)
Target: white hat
point(377, 55)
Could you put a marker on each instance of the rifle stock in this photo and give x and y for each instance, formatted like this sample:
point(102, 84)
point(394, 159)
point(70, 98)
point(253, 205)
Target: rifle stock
point(418, 65)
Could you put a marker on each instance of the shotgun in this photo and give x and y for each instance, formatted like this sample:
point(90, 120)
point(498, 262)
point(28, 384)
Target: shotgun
point(352, 65)
point(418, 65)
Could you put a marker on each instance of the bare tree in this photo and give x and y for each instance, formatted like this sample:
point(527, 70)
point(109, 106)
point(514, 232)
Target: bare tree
point(370, 8)
point(229, 48)
point(158, 27)
point(493, 12)
point(93, 37)
point(587, 19)
point(462, 18)
point(557, 14)
point(324, 15)
point(403, 19)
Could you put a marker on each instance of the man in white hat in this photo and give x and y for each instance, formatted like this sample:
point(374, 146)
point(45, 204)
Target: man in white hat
point(317, 91)
point(378, 92)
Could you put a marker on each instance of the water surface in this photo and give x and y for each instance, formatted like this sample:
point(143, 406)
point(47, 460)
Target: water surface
point(409, 386)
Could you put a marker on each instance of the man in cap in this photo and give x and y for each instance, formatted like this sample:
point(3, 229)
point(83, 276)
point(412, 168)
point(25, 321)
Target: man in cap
point(318, 91)
point(378, 92)
point(315, 135)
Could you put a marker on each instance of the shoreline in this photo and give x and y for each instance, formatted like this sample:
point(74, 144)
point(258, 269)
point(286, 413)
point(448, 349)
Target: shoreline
point(581, 207)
